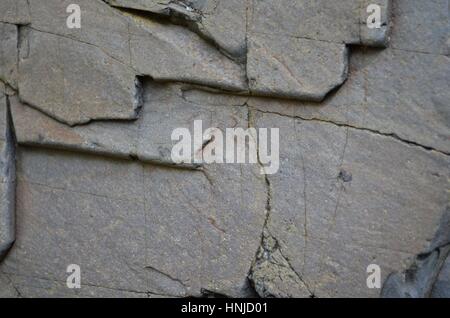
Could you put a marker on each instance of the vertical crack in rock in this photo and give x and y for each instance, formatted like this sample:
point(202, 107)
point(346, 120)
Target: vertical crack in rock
point(270, 264)
point(419, 279)
point(7, 182)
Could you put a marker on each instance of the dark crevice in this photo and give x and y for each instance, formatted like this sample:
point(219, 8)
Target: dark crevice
point(8, 173)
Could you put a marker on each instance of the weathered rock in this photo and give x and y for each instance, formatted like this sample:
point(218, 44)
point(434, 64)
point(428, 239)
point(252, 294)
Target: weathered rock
point(361, 199)
point(15, 11)
point(295, 68)
point(385, 93)
point(331, 21)
point(35, 287)
point(207, 237)
point(204, 240)
point(173, 53)
point(7, 289)
point(418, 280)
point(223, 22)
point(148, 138)
point(8, 54)
point(297, 49)
point(90, 72)
point(441, 287)
point(421, 26)
point(162, 51)
point(363, 177)
point(375, 37)
point(75, 82)
point(272, 275)
point(426, 276)
point(7, 177)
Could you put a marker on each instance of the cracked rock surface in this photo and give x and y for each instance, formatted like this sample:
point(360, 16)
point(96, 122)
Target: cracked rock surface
point(87, 116)
point(7, 176)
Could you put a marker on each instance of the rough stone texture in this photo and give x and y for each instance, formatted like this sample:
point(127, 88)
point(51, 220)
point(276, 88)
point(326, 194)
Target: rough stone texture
point(222, 22)
point(421, 26)
point(162, 51)
point(441, 287)
point(15, 11)
point(80, 82)
point(115, 49)
point(323, 20)
point(148, 138)
point(18, 286)
point(330, 21)
point(306, 60)
point(8, 53)
point(427, 275)
point(419, 280)
point(394, 92)
point(272, 275)
point(361, 198)
point(364, 172)
point(295, 68)
point(376, 37)
point(172, 53)
point(7, 176)
point(204, 240)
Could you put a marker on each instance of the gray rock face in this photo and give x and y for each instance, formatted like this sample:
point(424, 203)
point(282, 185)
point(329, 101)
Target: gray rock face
point(428, 275)
point(75, 73)
point(205, 239)
point(421, 26)
point(137, 47)
point(364, 148)
point(272, 275)
point(147, 138)
point(15, 11)
point(222, 22)
point(295, 68)
point(361, 199)
point(8, 54)
point(295, 49)
point(172, 53)
point(164, 52)
point(420, 280)
point(441, 287)
point(7, 177)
